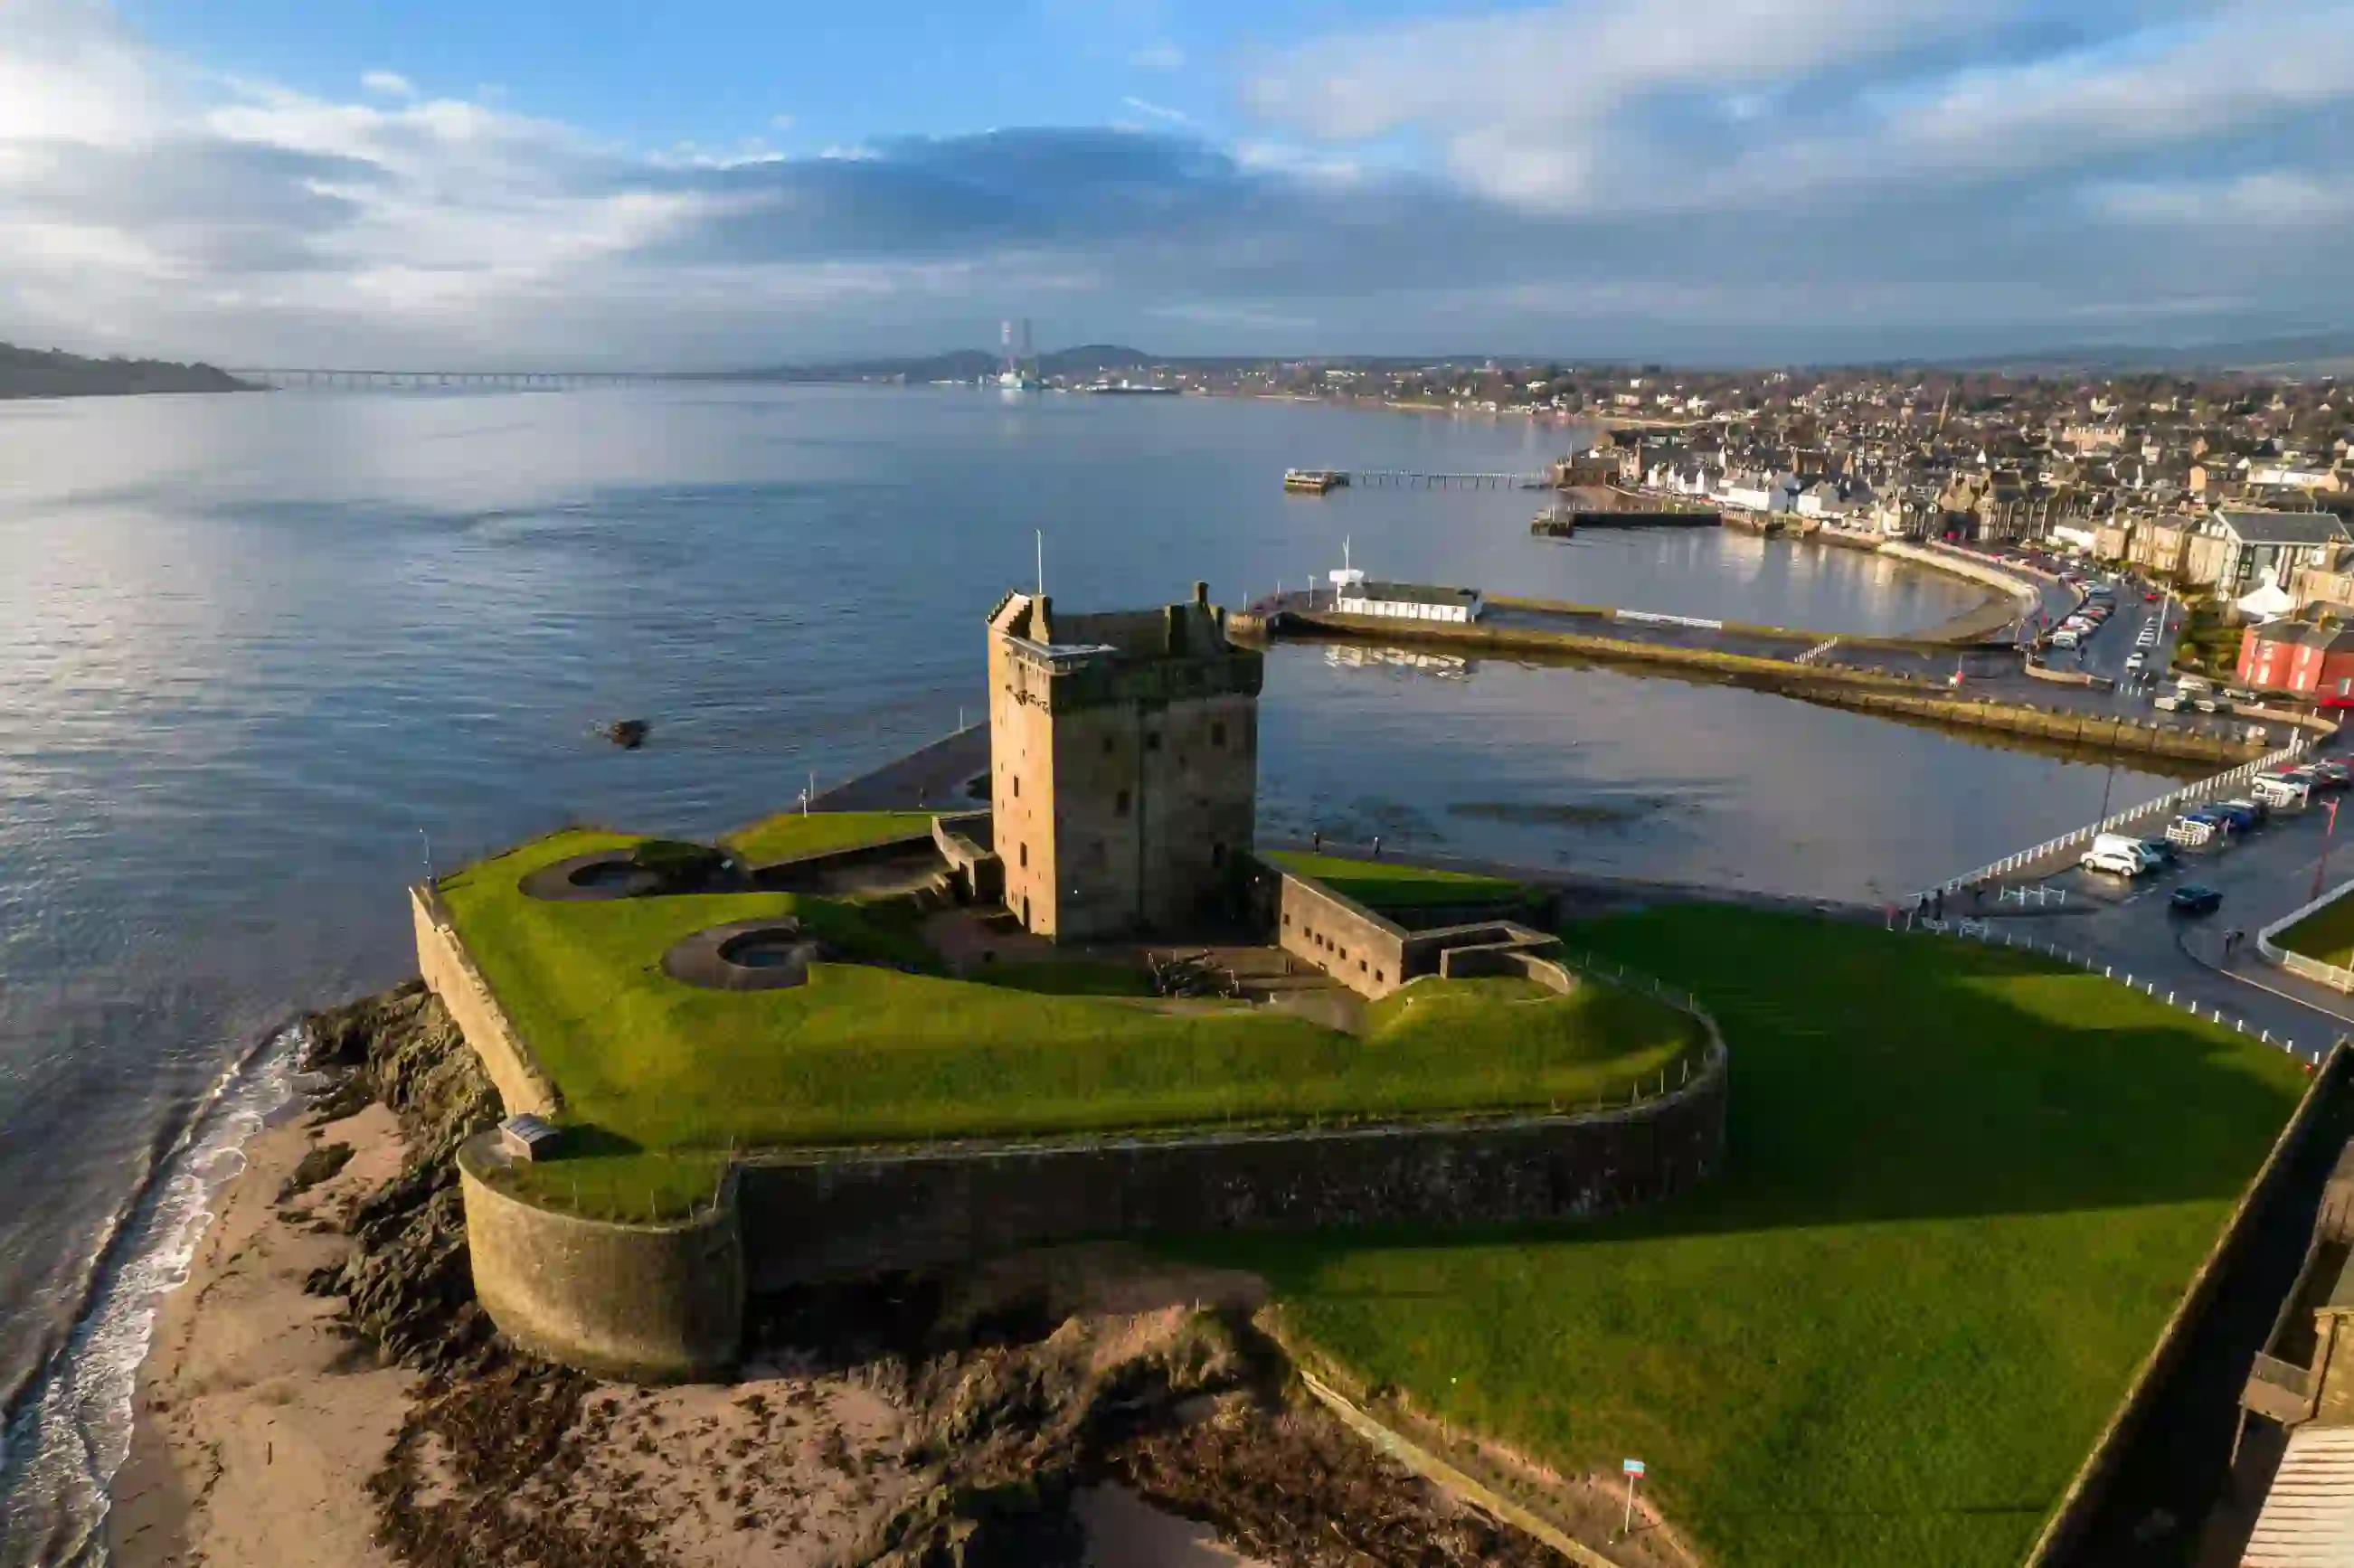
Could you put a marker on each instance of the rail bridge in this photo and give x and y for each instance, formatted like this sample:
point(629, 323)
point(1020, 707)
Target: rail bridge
point(320, 376)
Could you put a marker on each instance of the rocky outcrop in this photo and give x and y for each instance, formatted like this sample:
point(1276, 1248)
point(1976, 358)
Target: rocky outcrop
point(407, 1281)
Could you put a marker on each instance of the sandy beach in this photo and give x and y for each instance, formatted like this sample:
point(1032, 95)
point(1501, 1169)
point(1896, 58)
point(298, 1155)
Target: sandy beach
point(262, 1418)
point(259, 1416)
point(1079, 1406)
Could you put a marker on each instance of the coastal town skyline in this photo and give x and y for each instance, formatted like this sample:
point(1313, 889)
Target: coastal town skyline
point(1762, 181)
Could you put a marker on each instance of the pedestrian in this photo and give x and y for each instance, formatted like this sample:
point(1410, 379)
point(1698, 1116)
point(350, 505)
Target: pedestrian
point(1316, 840)
point(1377, 846)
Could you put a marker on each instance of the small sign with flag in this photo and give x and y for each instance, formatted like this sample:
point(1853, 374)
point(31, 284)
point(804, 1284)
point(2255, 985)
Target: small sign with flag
point(1633, 1470)
point(1633, 1467)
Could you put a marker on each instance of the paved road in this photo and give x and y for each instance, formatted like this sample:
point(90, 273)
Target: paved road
point(2128, 927)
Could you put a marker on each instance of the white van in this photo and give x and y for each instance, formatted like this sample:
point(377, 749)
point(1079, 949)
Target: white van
point(2063, 640)
point(2119, 855)
point(2116, 863)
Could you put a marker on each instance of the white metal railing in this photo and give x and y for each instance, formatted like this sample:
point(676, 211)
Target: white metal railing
point(2173, 800)
point(2296, 963)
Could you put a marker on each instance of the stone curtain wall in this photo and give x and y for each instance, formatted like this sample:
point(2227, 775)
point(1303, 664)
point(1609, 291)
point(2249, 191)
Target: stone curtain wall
point(846, 1214)
point(451, 975)
point(653, 1303)
point(1339, 936)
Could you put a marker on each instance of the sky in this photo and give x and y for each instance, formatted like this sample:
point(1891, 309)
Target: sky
point(712, 184)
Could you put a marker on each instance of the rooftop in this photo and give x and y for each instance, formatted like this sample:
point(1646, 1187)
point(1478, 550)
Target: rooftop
point(2252, 526)
point(1415, 593)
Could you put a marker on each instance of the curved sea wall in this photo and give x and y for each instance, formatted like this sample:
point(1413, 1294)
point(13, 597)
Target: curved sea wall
point(653, 1303)
point(665, 1302)
point(1966, 567)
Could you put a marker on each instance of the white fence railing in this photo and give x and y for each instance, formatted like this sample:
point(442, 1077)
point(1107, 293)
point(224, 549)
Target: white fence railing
point(2171, 802)
point(2295, 963)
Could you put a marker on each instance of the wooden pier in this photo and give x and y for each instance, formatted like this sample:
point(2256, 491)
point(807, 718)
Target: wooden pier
point(1318, 481)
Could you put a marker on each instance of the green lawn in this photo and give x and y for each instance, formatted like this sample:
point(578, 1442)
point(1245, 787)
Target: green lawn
point(2327, 934)
point(789, 834)
point(1965, 1191)
point(1389, 884)
point(865, 1052)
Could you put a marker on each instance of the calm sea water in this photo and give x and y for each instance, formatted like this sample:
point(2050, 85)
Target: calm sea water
point(260, 656)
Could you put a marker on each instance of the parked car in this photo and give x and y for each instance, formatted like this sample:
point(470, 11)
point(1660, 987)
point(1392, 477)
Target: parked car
point(2166, 703)
point(2192, 899)
point(2161, 852)
point(2115, 862)
point(2257, 810)
point(2065, 639)
point(2150, 599)
point(2335, 775)
point(2138, 662)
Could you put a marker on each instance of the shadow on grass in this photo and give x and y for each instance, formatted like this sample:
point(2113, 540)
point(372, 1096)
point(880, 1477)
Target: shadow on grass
point(1880, 1077)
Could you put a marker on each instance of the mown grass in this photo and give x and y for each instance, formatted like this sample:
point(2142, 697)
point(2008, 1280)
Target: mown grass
point(789, 834)
point(1068, 977)
point(1388, 884)
point(1965, 1191)
point(2327, 934)
point(863, 1053)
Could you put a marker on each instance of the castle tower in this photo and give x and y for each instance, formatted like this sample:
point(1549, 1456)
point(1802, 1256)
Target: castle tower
point(1123, 763)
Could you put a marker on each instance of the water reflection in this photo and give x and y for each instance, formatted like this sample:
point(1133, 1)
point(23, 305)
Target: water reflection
point(1597, 769)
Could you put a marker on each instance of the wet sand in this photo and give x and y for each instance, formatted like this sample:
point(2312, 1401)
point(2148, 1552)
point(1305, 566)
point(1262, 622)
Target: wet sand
point(259, 1416)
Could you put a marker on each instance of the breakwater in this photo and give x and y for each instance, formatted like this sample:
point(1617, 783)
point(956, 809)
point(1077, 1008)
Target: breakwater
point(1866, 691)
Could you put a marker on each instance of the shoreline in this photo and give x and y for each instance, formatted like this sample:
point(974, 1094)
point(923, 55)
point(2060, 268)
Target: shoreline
point(321, 1390)
point(257, 1416)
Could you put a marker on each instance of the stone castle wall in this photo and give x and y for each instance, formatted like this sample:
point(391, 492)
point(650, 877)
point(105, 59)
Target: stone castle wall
point(451, 976)
point(846, 1214)
point(653, 1303)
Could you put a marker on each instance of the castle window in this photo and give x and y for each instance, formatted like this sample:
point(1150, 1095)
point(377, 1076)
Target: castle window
point(1025, 856)
point(1153, 741)
point(1017, 786)
point(1120, 803)
point(1218, 732)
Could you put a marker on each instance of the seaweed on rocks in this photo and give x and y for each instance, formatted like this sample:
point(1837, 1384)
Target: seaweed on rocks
point(407, 1281)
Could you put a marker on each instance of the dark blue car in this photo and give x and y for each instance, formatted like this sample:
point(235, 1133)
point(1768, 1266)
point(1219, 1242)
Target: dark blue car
point(2193, 899)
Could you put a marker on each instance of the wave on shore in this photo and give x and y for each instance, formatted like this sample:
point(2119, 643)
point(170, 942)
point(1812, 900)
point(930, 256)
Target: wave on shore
point(69, 1424)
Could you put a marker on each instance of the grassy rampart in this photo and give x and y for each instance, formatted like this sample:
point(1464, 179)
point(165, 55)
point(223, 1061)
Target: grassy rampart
point(1964, 1190)
point(864, 1053)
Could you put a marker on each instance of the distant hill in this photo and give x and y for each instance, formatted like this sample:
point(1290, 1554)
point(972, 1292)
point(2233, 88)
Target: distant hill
point(38, 372)
point(958, 365)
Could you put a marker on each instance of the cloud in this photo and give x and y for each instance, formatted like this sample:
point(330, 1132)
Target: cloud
point(387, 84)
point(1166, 115)
point(1158, 54)
point(1691, 103)
point(1718, 179)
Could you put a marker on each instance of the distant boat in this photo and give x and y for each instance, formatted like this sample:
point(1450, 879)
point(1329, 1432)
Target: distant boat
point(1313, 481)
point(1128, 390)
point(1017, 381)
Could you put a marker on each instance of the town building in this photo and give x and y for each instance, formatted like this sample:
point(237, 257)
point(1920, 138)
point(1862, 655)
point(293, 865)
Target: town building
point(1355, 594)
point(2268, 547)
point(1123, 763)
point(2312, 660)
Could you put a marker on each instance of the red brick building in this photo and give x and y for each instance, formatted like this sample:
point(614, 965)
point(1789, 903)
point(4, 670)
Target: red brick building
point(2312, 661)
